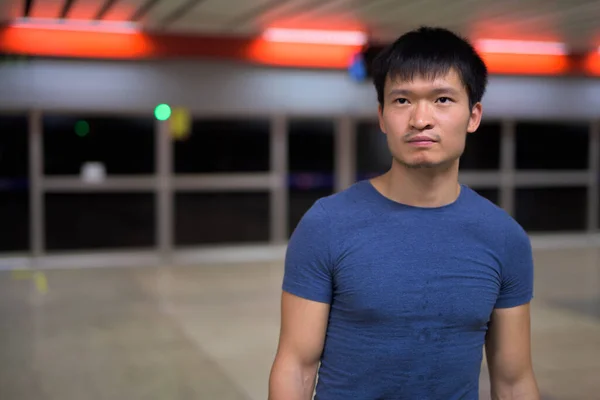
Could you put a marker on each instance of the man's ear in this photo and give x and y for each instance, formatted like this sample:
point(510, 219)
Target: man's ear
point(380, 115)
point(475, 118)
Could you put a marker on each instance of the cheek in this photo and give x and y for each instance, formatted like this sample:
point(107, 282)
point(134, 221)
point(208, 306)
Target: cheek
point(396, 124)
point(454, 128)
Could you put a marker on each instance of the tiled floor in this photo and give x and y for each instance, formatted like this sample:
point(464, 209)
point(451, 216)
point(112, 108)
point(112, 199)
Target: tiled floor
point(210, 332)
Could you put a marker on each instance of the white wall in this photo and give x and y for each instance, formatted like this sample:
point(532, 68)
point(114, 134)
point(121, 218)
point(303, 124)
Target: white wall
point(213, 87)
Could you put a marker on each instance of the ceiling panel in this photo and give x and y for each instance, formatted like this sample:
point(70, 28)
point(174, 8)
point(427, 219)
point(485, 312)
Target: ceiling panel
point(216, 16)
point(162, 10)
point(278, 15)
point(573, 21)
point(11, 9)
point(227, 9)
point(46, 9)
point(85, 9)
point(333, 14)
point(123, 10)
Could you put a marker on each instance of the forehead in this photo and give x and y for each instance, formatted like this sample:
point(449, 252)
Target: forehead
point(420, 82)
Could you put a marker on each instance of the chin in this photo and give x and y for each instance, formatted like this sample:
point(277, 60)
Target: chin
point(422, 165)
point(426, 164)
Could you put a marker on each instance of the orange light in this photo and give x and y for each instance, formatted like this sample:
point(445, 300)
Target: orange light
point(61, 43)
point(75, 25)
point(591, 64)
point(301, 54)
point(526, 64)
point(315, 36)
point(520, 47)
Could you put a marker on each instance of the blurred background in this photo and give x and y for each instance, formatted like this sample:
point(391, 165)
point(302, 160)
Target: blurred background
point(156, 155)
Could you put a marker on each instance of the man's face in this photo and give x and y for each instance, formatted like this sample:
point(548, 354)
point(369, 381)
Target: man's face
point(426, 121)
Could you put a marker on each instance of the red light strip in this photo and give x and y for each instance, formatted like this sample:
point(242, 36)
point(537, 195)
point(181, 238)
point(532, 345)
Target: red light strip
point(75, 25)
point(107, 44)
point(497, 46)
point(312, 36)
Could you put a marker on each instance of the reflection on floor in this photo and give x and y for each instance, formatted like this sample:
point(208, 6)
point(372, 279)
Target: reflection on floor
point(210, 332)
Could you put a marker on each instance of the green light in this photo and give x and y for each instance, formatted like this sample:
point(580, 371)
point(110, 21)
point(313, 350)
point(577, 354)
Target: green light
point(162, 112)
point(82, 128)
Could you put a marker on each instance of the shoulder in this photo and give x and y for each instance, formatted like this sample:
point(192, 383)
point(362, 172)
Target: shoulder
point(329, 220)
point(497, 225)
point(341, 206)
point(511, 243)
point(492, 215)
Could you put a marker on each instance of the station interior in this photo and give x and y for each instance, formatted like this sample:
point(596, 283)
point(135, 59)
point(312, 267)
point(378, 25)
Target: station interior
point(157, 155)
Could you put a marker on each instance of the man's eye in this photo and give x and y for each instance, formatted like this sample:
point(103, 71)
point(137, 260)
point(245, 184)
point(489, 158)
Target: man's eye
point(401, 101)
point(444, 100)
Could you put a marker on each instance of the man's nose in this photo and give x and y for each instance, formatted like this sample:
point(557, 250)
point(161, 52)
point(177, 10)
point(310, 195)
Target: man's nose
point(421, 118)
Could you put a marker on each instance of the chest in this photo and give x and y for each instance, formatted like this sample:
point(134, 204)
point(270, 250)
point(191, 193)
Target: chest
point(452, 284)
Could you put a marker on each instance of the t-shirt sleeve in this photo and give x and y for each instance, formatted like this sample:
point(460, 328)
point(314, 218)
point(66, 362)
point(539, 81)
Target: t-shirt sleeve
point(308, 268)
point(517, 271)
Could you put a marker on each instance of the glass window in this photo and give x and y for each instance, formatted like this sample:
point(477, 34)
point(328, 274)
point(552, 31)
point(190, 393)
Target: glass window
point(552, 146)
point(492, 195)
point(14, 151)
point(85, 221)
point(125, 145)
point(373, 156)
point(224, 145)
point(229, 217)
point(14, 214)
point(482, 148)
point(551, 209)
point(311, 155)
point(14, 183)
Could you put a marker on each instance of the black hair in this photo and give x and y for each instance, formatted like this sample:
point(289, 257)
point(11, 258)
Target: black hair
point(431, 52)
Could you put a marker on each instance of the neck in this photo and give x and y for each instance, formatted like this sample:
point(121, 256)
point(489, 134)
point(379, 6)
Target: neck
point(420, 187)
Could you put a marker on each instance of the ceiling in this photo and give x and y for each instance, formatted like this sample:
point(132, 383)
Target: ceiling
point(574, 22)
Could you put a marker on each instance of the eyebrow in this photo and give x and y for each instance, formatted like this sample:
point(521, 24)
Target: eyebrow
point(436, 91)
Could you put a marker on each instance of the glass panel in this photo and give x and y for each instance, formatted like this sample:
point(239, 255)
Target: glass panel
point(552, 146)
point(230, 217)
point(14, 152)
point(125, 145)
point(14, 214)
point(311, 155)
point(552, 209)
point(224, 145)
point(78, 221)
point(492, 195)
point(373, 156)
point(14, 183)
point(482, 148)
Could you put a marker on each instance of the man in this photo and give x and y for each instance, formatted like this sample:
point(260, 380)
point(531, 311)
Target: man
point(395, 285)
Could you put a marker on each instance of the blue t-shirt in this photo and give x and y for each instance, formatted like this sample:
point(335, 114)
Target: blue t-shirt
point(411, 290)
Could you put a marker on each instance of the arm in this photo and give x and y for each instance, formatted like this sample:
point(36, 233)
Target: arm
point(303, 326)
point(305, 304)
point(508, 351)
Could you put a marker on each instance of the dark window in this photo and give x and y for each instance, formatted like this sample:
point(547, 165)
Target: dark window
point(78, 221)
point(482, 148)
point(14, 214)
point(217, 145)
point(311, 155)
point(552, 209)
point(14, 152)
point(311, 145)
point(552, 146)
point(125, 145)
point(492, 195)
point(14, 183)
point(232, 217)
point(373, 156)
